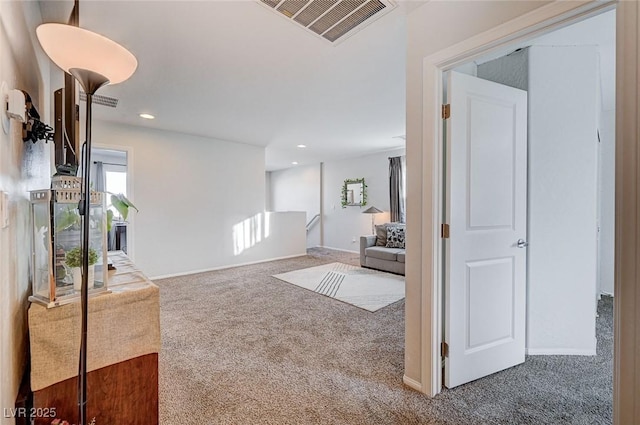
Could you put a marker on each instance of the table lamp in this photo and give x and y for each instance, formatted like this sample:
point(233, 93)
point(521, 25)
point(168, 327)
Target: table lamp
point(372, 210)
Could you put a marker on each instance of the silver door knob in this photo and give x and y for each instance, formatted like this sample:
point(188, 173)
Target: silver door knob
point(522, 243)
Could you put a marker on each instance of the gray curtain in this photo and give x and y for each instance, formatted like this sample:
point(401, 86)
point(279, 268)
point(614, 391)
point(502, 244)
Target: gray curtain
point(99, 182)
point(397, 189)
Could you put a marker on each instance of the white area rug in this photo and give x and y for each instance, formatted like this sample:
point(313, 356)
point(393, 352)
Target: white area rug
point(364, 288)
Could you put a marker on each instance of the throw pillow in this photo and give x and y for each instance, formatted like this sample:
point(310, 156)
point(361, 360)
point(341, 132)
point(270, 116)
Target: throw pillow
point(381, 235)
point(381, 232)
point(395, 237)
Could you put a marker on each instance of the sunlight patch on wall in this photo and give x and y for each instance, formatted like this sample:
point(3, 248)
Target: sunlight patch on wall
point(250, 232)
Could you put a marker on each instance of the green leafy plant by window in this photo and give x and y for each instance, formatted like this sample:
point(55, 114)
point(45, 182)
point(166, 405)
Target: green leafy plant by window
point(122, 204)
point(70, 219)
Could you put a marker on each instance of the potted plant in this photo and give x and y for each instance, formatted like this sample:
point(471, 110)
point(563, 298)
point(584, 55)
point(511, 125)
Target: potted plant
point(73, 260)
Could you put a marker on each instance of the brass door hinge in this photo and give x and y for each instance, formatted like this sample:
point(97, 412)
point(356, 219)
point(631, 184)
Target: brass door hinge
point(446, 111)
point(444, 349)
point(444, 231)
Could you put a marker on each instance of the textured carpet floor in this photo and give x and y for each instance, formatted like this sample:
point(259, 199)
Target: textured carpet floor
point(242, 347)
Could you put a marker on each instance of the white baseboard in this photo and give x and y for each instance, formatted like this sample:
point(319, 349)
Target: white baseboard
point(340, 249)
point(165, 276)
point(412, 383)
point(560, 352)
point(606, 294)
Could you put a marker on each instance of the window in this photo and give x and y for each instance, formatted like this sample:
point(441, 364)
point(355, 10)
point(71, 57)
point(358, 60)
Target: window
point(116, 182)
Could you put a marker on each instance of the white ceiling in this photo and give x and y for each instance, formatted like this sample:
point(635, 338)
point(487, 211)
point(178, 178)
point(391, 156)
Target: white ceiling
point(234, 70)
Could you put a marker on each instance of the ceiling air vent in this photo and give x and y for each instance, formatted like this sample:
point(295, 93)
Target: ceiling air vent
point(332, 20)
point(111, 102)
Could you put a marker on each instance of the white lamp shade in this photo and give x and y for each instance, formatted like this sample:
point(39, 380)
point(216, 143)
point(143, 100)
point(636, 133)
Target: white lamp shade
point(73, 47)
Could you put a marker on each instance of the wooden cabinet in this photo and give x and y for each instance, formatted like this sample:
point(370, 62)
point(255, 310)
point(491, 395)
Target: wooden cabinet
point(123, 346)
point(123, 393)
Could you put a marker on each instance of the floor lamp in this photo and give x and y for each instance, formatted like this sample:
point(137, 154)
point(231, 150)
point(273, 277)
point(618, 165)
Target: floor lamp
point(373, 211)
point(94, 61)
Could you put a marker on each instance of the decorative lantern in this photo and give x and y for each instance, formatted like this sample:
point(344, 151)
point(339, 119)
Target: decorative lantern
point(57, 252)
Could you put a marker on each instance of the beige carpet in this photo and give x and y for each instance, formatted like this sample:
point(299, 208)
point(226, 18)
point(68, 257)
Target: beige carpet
point(241, 347)
point(365, 288)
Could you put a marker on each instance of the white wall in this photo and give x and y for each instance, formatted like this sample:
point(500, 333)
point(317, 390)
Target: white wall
point(469, 68)
point(201, 202)
point(562, 253)
point(344, 226)
point(431, 28)
point(268, 198)
point(607, 200)
point(298, 189)
point(23, 167)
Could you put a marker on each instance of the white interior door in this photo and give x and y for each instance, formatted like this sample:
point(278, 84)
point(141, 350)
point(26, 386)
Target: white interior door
point(485, 275)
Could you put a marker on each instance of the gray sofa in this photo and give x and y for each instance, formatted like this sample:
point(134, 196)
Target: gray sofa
point(380, 257)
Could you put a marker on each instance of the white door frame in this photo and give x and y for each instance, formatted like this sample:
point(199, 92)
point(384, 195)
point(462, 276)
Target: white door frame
point(627, 283)
point(131, 218)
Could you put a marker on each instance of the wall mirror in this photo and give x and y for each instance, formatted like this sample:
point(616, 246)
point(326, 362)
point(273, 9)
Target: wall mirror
point(354, 193)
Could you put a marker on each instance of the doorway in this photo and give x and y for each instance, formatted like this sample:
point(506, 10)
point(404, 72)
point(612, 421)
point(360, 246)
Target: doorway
point(424, 129)
point(546, 205)
point(112, 174)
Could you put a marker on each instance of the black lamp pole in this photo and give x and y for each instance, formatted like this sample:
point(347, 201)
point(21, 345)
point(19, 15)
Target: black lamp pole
point(90, 82)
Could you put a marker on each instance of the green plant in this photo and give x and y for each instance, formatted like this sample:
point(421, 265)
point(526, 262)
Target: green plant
point(68, 219)
point(73, 257)
point(122, 204)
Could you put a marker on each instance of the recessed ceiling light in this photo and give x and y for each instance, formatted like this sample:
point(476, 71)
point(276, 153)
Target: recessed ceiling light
point(302, 146)
point(295, 163)
point(147, 116)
